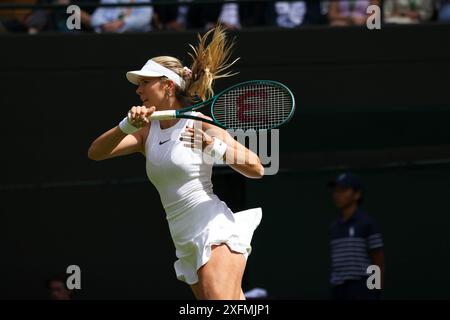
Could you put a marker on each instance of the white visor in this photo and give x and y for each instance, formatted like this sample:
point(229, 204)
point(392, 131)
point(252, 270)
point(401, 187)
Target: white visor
point(154, 69)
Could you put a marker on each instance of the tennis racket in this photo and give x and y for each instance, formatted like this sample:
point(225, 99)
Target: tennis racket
point(256, 104)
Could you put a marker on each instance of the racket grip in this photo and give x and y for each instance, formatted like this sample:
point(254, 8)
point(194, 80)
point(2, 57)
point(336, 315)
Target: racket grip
point(163, 115)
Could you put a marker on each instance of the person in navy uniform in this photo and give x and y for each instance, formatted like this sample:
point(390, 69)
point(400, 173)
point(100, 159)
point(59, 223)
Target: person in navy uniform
point(355, 242)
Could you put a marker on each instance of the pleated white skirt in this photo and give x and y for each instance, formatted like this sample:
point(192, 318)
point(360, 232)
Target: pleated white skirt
point(211, 222)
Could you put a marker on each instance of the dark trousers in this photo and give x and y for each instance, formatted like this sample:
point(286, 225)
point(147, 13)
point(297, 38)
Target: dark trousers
point(355, 290)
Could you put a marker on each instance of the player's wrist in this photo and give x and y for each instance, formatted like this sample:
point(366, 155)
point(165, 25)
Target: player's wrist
point(217, 148)
point(127, 127)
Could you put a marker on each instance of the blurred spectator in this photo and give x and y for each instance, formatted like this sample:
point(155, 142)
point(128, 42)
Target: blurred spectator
point(122, 19)
point(290, 14)
point(444, 10)
point(349, 12)
point(238, 15)
point(232, 15)
point(229, 16)
point(56, 19)
point(170, 16)
point(86, 12)
point(407, 11)
point(43, 19)
point(14, 20)
point(355, 241)
point(287, 14)
point(57, 285)
point(248, 15)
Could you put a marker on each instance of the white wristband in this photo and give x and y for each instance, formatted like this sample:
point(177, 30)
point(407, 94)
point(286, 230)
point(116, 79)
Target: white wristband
point(218, 149)
point(126, 126)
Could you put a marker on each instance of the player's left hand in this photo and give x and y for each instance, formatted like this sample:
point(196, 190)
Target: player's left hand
point(196, 138)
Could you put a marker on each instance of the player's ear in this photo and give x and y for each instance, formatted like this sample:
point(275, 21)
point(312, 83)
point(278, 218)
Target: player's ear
point(170, 87)
point(170, 84)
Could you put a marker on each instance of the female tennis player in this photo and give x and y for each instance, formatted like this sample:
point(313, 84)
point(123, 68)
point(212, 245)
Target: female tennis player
point(212, 243)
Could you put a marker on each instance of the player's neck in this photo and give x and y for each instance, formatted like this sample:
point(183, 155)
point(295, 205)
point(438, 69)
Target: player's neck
point(347, 212)
point(172, 104)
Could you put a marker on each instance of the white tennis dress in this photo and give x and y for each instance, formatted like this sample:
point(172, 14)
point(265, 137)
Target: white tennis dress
point(197, 218)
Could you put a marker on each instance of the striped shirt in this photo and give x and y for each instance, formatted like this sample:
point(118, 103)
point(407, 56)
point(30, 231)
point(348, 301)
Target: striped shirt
point(350, 244)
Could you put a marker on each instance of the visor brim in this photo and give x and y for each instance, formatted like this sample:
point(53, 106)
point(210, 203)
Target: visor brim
point(135, 76)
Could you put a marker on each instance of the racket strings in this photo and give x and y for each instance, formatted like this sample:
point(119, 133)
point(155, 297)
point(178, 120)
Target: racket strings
point(253, 106)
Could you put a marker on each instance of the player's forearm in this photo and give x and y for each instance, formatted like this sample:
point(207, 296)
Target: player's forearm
point(244, 161)
point(102, 147)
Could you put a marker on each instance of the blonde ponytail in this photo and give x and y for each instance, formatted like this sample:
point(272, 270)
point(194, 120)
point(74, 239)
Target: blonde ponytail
point(210, 61)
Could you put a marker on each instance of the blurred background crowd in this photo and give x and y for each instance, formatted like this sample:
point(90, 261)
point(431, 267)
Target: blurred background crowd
point(187, 14)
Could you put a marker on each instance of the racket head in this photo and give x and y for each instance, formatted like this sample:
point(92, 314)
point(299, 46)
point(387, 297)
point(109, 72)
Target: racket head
point(255, 104)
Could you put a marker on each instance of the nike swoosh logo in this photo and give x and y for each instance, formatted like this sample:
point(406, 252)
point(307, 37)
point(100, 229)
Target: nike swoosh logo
point(160, 143)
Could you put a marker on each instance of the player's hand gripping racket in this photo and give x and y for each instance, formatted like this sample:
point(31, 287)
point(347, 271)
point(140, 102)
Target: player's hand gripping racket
point(256, 104)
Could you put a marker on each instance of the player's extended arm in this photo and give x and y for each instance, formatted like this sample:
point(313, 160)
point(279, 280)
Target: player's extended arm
point(115, 142)
point(237, 156)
